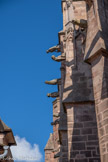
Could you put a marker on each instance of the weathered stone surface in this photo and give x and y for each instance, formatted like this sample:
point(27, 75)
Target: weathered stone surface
point(50, 144)
point(97, 33)
point(82, 130)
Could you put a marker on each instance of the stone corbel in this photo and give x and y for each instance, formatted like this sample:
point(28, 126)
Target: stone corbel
point(59, 58)
point(53, 82)
point(53, 95)
point(54, 49)
point(81, 23)
point(2, 156)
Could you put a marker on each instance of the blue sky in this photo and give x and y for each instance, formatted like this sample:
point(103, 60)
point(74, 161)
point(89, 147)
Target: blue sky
point(27, 29)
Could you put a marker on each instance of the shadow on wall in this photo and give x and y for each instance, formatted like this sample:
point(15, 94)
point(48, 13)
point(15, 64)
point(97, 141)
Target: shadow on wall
point(82, 135)
point(104, 93)
point(102, 31)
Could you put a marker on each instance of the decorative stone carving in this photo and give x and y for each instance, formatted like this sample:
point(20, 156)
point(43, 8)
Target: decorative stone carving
point(54, 49)
point(83, 32)
point(55, 122)
point(59, 58)
point(81, 23)
point(53, 82)
point(69, 35)
point(56, 115)
point(57, 155)
point(53, 95)
point(69, 11)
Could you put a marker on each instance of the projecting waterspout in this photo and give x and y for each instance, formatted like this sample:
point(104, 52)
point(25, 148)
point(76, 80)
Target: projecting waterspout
point(81, 23)
point(59, 58)
point(56, 48)
point(53, 95)
point(53, 82)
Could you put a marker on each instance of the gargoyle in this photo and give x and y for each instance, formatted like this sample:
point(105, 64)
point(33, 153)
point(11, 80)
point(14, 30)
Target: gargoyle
point(55, 122)
point(59, 58)
point(53, 82)
point(54, 49)
point(83, 32)
point(57, 155)
point(56, 115)
point(81, 23)
point(53, 95)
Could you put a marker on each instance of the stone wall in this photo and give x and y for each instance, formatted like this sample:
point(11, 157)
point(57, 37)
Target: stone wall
point(82, 130)
point(96, 54)
point(52, 149)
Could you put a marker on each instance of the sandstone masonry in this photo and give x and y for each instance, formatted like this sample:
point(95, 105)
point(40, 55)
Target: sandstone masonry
point(80, 110)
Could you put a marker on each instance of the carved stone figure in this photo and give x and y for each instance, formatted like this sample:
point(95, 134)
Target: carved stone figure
point(82, 131)
point(55, 122)
point(56, 115)
point(53, 82)
point(70, 34)
point(83, 32)
point(53, 95)
point(54, 49)
point(81, 23)
point(59, 58)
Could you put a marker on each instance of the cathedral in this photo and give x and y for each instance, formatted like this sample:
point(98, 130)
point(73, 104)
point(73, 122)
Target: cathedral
point(80, 108)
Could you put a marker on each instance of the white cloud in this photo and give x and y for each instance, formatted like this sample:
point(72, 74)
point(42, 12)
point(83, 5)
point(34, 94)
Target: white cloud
point(25, 152)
